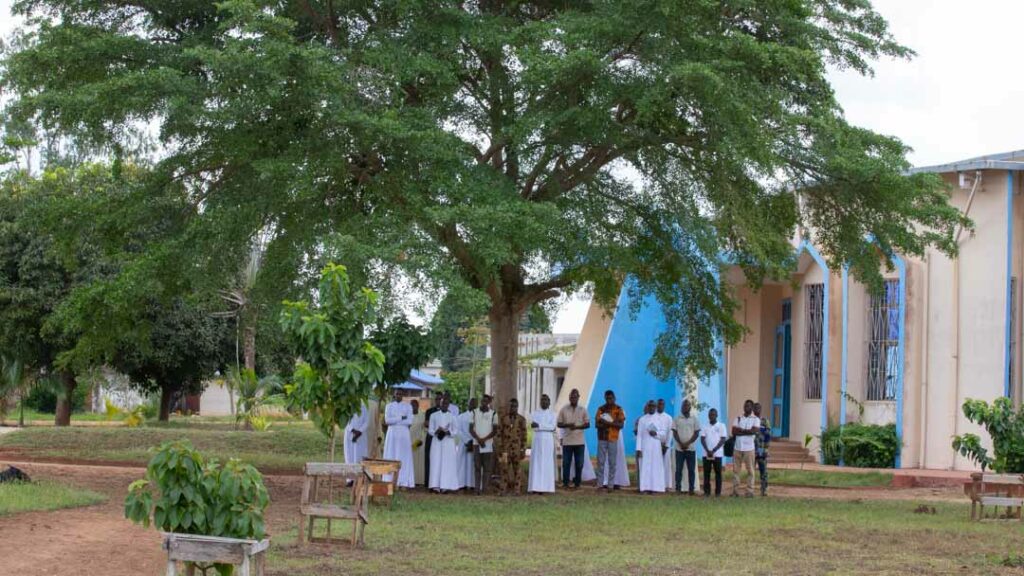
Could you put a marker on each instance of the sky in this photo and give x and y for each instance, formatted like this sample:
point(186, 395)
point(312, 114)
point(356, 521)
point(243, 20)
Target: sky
point(960, 96)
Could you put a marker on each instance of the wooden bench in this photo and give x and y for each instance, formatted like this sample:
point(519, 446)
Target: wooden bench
point(378, 469)
point(311, 507)
point(193, 548)
point(996, 491)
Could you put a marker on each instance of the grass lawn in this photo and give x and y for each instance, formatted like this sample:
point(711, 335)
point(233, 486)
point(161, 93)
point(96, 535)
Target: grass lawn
point(590, 533)
point(823, 478)
point(11, 419)
point(285, 447)
point(23, 497)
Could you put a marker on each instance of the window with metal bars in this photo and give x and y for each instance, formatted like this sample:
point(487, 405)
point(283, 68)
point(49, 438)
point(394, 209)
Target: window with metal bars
point(814, 295)
point(884, 343)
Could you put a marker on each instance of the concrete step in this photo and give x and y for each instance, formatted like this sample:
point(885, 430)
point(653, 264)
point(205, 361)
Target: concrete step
point(788, 452)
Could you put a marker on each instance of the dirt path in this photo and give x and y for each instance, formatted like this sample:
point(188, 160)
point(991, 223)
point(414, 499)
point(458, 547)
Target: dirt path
point(98, 540)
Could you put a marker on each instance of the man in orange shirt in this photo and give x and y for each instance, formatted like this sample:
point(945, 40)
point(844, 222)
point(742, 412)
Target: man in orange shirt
point(610, 419)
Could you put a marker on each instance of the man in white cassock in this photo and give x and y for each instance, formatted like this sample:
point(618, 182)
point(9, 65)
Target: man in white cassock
point(542, 451)
point(418, 434)
point(355, 437)
point(467, 469)
point(650, 444)
point(398, 442)
point(444, 465)
point(665, 426)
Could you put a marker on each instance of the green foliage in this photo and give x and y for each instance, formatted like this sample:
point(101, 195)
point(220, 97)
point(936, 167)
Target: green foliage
point(1005, 425)
point(15, 378)
point(405, 347)
point(860, 445)
point(457, 384)
point(339, 368)
point(180, 349)
point(516, 150)
point(183, 492)
point(43, 396)
point(132, 418)
point(253, 394)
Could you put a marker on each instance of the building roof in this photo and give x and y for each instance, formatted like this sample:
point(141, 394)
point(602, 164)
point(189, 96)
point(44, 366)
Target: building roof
point(1005, 161)
point(407, 386)
point(418, 377)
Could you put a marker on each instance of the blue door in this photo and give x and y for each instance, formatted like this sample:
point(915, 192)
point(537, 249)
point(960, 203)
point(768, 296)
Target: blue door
point(780, 374)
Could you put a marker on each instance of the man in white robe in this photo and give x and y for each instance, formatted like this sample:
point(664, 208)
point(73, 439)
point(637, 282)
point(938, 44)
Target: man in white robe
point(398, 442)
point(355, 437)
point(466, 460)
point(444, 465)
point(650, 444)
point(542, 451)
point(418, 434)
point(666, 427)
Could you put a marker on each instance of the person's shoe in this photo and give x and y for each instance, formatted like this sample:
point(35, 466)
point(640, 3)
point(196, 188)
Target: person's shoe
point(616, 487)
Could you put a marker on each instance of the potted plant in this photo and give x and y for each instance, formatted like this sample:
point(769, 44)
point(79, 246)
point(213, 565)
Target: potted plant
point(211, 513)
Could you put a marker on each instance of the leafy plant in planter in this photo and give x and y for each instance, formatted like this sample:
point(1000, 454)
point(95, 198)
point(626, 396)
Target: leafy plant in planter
point(185, 493)
point(1005, 425)
point(339, 367)
point(860, 445)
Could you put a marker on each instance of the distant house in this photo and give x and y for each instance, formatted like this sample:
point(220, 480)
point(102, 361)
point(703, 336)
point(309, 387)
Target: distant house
point(942, 330)
point(543, 362)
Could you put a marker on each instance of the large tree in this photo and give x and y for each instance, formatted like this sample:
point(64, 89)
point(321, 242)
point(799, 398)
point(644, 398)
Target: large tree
point(519, 149)
point(176, 353)
point(38, 277)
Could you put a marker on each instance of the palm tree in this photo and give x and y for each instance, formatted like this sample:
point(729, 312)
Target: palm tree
point(243, 309)
point(14, 377)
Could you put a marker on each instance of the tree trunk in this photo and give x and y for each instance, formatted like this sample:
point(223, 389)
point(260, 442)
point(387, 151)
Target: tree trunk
point(504, 320)
point(249, 345)
point(63, 415)
point(165, 403)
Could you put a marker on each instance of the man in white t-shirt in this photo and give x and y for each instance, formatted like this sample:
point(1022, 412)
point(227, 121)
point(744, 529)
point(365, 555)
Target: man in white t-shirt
point(483, 427)
point(712, 438)
point(744, 428)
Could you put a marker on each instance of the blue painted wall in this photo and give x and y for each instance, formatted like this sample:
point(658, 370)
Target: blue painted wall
point(623, 369)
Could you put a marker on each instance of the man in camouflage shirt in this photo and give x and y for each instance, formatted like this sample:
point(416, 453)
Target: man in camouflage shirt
point(761, 441)
point(511, 446)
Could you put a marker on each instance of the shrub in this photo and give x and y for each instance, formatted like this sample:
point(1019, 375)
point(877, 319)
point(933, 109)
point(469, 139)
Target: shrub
point(43, 396)
point(860, 445)
point(196, 496)
point(1005, 425)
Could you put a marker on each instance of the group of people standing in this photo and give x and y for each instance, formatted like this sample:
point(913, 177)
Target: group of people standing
point(447, 450)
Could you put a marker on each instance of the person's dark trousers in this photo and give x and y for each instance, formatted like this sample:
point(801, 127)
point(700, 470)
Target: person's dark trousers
point(426, 460)
point(762, 470)
point(715, 463)
point(573, 455)
point(686, 458)
point(484, 469)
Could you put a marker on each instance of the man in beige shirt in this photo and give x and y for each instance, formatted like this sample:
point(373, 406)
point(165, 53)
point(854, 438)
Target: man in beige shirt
point(573, 420)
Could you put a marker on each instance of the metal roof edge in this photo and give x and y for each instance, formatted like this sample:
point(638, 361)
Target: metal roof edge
point(968, 165)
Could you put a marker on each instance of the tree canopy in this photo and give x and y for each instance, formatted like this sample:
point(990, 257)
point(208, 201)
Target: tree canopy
point(517, 149)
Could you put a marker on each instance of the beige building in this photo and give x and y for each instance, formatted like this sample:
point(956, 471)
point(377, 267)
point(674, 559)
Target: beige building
point(819, 344)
